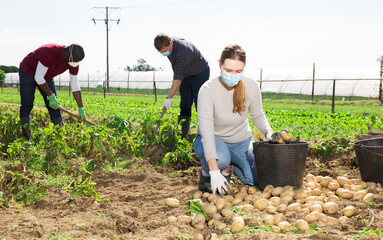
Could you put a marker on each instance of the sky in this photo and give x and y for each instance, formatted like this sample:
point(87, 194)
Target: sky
point(276, 34)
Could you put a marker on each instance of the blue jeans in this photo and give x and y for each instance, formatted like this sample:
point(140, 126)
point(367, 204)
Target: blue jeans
point(240, 155)
point(189, 91)
point(28, 87)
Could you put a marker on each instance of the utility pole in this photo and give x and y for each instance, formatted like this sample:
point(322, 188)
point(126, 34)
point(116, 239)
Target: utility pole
point(107, 38)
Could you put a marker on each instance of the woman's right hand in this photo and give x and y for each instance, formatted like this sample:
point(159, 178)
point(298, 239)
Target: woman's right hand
point(218, 181)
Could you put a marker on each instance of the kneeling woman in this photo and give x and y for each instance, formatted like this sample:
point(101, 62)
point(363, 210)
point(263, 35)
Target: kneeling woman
point(224, 138)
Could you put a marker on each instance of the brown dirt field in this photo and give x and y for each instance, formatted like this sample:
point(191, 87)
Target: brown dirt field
point(134, 208)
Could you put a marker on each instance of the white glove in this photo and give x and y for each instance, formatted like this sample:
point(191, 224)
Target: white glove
point(167, 103)
point(218, 181)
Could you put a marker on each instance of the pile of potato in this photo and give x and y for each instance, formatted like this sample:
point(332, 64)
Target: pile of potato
point(317, 200)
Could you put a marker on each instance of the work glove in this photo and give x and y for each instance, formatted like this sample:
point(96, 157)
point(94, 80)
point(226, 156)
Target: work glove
point(53, 103)
point(274, 137)
point(217, 182)
point(167, 104)
point(81, 111)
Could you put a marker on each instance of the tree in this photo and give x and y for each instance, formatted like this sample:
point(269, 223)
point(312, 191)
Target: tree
point(142, 66)
point(9, 69)
point(2, 77)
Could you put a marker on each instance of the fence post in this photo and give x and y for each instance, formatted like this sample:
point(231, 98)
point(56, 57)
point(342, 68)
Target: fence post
point(104, 87)
point(127, 87)
point(381, 80)
point(154, 87)
point(260, 80)
point(88, 82)
point(333, 97)
point(312, 91)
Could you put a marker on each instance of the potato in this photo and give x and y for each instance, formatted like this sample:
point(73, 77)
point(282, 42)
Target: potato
point(228, 198)
point(284, 225)
point(210, 209)
point(205, 195)
point(333, 186)
point(343, 219)
point(371, 185)
point(318, 178)
point(252, 190)
point(241, 195)
point(332, 219)
point(248, 198)
point(268, 188)
point(301, 194)
point(247, 207)
point(234, 189)
point(310, 178)
point(288, 188)
point(333, 198)
point(213, 236)
point(198, 219)
point(197, 195)
point(311, 185)
point(227, 212)
point(275, 201)
point(236, 200)
point(265, 195)
point(343, 180)
point(279, 218)
point(199, 226)
point(275, 229)
point(302, 225)
point(220, 204)
point(219, 225)
point(282, 208)
point(172, 219)
point(184, 219)
point(368, 198)
point(268, 220)
point(287, 198)
point(276, 191)
point(330, 208)
point(360, 194)
point(323, 217)
point(312, 217)
point(198, 236)
point(172, 202)
point(355, 188)
point(312, 199)
point(361, 183)
point(238, 224)
point(210, 223)
point(288, 192)
point(316, 207)
point(349, 211)
point(324, 181)
point(212, 197)
point(306, 210)
point(261, 204)
point(271, 209)
point(287, 137)
point(293, 206)
point(345, 193)
point(347, 186)
point(316, 192)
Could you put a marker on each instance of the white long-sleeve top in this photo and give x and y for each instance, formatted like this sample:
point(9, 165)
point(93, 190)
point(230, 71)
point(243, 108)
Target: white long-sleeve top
point(216, 117)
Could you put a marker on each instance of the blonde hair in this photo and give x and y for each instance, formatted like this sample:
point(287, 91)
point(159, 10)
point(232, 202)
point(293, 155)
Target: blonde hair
point(236, 52)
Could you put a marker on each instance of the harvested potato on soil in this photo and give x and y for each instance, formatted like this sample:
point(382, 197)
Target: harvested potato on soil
point(220, 204)
point(252, 190)
point(261, 204)
point(284, 225)
point(343, 180)
point(172, 202)
point(276, 191)
point(198, 219)
point(197, 195)
point(238, 224)
point(275, 229)
point(172, 219)
point(268, 220)
point(312, 217)
point(330, 207)
point(184, 219)
point(226, 212)
point(368, 198)
point(349, 211)
point(302, 225)
point(324, 181)
point(199, 236)
point(210, 209)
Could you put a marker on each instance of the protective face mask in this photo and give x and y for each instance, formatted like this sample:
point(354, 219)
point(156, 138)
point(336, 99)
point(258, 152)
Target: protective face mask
point(73, 64)
point(70, 62)
point(231, 79)
point(167, 53)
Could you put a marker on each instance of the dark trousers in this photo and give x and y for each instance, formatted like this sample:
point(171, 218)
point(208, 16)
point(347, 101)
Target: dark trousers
point(28, 87)
point(189, 91)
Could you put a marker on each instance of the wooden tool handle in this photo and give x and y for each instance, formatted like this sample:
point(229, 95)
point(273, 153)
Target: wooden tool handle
point(76, 116)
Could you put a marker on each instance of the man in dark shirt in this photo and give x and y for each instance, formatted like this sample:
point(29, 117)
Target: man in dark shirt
point(38, 69)
point(191, 70)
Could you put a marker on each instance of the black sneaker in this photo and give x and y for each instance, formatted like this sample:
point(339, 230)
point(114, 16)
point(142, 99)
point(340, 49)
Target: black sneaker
point(204, 183)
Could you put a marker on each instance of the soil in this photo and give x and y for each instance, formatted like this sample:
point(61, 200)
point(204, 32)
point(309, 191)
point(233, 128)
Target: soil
point(134, 207)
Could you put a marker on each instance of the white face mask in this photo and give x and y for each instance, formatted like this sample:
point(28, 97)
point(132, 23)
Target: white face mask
point(71, 63)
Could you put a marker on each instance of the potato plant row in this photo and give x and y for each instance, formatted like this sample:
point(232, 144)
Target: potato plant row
point(320, 199)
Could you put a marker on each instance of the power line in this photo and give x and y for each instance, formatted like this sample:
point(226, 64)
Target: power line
point(106, 20)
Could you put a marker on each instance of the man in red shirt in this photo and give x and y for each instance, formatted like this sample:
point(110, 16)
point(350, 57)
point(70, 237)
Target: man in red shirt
point(38, 69)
